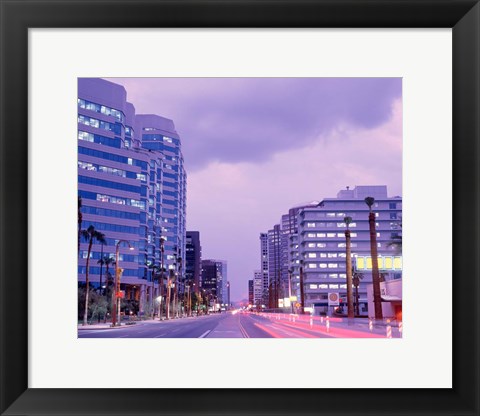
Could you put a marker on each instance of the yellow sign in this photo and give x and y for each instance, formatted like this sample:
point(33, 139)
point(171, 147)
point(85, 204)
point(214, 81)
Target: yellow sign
point(390, 263)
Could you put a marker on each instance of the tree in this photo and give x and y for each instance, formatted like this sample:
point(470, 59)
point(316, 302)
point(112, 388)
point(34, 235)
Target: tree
point(157, 273)
point(80, 218)
point(106, 261)
point(90, 234)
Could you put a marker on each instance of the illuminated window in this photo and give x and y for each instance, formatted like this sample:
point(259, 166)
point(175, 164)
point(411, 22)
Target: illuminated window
point(313, 286)
point(83, 135)
point(331, 235)
point(331, 255)
point(312, 266)
point(333, 286)
point(332, 265)
point(312, 255)
point(310, 224)
point(388, 262)
point(397, 263)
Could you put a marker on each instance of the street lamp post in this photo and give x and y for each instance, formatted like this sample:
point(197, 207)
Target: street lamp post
point(377, 299)
point(167, 302)
point(115, 297)
point(160, 281)
point(351, 313)
point(302, 290)
point(179, 277)
point(290, 271)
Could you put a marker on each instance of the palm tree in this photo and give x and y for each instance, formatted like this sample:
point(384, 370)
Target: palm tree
point(106, 261)
point(90, 234)
point(155, 270)
point(350, 311)
point(80, 218)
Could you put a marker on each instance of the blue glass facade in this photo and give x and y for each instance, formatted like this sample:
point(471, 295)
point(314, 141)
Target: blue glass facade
point(125, 179)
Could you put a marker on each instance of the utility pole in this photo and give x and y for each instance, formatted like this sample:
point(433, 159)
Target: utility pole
point(302, 290)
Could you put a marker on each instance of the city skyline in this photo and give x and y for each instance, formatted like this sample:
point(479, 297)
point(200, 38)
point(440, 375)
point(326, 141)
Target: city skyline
point(244, 140)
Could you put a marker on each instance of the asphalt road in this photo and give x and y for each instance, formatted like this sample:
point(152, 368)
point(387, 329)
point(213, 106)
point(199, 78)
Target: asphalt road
point(239, 325)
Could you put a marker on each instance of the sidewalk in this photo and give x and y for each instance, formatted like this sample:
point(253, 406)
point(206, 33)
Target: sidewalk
point(104, 326)
point(108, 325)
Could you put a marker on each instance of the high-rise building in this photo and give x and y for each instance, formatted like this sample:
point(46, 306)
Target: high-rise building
point(214, 280)
point(158, 134)
point(319, 247)
point(274, 267)
point(258, 288)
point(126, 189)
point(251, 299)
point(264, 267)
point(229, 299)
point(193, 260)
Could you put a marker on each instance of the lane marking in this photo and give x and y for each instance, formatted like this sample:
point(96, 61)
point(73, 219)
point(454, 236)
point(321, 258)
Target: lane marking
point(205, 334)
point(160, 335)
point(242, 329)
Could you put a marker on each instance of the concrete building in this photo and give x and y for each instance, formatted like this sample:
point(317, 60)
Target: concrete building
point(319, 246)
point(124, 191)
point(193, 260)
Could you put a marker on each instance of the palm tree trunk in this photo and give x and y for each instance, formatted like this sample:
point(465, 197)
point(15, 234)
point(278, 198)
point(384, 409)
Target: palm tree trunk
point(85, 315)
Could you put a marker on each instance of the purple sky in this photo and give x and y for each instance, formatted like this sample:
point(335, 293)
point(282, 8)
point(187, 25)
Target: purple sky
point(254, 147)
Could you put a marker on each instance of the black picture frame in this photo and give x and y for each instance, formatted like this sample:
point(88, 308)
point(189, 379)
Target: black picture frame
point(17, 16)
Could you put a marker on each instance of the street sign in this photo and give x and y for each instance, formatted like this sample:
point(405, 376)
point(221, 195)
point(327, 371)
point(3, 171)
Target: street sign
point(333, 299)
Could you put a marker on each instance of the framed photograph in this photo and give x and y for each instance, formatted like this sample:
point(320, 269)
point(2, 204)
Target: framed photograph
point(271, 102)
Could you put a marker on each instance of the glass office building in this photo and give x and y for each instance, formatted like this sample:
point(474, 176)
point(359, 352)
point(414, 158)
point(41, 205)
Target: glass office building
point(130, 190)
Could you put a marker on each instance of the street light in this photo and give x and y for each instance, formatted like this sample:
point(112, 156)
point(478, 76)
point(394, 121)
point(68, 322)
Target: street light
point(377, 299)
point(302, 290)
point(116, 297)
point(351, 314)
point(290, 271)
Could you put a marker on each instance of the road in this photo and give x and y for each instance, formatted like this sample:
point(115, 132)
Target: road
point(239, 325)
